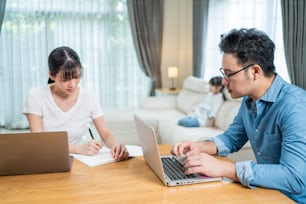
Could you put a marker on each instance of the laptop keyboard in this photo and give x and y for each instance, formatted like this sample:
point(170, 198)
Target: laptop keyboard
point(174, 169)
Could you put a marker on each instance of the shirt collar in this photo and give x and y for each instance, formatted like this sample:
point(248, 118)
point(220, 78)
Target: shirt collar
point(272, 92)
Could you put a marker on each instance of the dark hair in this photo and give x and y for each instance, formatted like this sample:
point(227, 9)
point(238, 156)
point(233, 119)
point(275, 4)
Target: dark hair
point(217, 81)
point(66, 59)
point(250, 46)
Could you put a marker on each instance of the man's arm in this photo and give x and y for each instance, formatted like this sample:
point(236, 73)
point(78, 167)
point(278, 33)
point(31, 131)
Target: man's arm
point(207, 147)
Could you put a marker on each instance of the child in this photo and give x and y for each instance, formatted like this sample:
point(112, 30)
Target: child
point(63, 106)
point(204, 113)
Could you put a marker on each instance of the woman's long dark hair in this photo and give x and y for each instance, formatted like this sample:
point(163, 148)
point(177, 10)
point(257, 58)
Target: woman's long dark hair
point(63, 58)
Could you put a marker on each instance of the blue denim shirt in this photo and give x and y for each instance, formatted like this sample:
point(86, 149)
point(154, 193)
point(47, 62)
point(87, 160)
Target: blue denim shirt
point(276, 129)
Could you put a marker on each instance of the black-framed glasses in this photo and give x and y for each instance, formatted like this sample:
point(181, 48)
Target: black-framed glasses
point(227, 76)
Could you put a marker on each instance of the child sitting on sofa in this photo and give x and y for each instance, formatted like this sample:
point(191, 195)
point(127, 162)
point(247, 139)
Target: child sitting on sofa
point(204, 113)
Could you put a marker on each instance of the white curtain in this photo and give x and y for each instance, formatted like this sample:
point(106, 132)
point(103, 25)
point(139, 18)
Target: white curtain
point(97, 29)
point(225, 15)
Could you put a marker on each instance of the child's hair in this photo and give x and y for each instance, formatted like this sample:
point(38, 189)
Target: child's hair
point(217, 81)
point(66, 59)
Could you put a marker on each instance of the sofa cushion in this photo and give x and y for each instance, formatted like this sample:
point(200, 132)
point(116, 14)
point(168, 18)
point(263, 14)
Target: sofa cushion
point(227, 113)
point(172, 133)
point(192, 93)
point(187, 100)
point(196, 84)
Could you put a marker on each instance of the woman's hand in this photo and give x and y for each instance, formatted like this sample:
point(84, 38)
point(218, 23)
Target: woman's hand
point(119, 152)
point(91, 148)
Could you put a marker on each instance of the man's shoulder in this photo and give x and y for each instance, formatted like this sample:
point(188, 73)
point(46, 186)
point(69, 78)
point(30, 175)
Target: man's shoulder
point(282, 90)
point(293, 92)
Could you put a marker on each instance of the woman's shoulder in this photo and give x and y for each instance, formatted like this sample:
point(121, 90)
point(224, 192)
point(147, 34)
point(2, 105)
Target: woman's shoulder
point(87, 96)
point(38, 90)
point(86, 93)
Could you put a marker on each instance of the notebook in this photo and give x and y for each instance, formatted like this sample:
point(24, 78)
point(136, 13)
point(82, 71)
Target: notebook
point(31, 153)
point(159, 164)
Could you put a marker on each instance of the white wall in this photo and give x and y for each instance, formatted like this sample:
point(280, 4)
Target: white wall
point(177, 40)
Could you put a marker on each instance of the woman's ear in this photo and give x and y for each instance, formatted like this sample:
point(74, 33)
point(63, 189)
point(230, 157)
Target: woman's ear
point(50, 76)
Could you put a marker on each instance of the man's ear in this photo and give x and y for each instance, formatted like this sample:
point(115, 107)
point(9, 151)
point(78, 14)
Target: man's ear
point(257, 71)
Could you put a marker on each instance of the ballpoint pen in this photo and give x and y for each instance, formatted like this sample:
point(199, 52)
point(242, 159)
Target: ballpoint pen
point(91, 135)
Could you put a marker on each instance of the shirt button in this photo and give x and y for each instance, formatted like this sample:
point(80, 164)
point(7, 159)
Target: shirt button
point(256, 130)
point(258, 153)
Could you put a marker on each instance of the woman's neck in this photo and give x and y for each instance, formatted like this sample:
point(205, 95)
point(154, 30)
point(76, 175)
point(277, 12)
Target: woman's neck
point(64, 101)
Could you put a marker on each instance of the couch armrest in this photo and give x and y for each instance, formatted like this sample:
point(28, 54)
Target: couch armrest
point(158, 102)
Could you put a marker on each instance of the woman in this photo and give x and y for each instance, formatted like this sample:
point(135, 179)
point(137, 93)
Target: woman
point(63, 106)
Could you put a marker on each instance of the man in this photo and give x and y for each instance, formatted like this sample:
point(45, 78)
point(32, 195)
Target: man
point(272, 117)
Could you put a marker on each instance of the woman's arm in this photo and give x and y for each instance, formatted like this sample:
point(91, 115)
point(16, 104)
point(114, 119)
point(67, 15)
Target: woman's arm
point(35, 122)
point(118, 151)
point(211, 122)
point(104, 132)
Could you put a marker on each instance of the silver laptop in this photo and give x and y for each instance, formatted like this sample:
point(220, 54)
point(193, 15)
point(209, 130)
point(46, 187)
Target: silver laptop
point(168, 168)
point(30, 153)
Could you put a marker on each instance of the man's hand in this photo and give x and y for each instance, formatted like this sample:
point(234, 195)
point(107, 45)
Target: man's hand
point(209, 165)
point(182, 148)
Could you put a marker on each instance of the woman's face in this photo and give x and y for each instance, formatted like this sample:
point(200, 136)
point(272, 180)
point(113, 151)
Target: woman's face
point(67, 82)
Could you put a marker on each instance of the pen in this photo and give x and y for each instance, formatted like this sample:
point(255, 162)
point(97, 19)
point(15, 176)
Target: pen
point(91, 135)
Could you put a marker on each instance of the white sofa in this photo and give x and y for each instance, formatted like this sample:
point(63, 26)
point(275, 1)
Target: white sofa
point(163, 112)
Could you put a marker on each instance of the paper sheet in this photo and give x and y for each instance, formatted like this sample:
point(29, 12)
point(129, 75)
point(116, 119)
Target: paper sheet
point(104, 156)
point(134, 150)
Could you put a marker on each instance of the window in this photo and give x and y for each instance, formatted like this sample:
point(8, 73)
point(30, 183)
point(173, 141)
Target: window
point(225, 15)
point(98, 30)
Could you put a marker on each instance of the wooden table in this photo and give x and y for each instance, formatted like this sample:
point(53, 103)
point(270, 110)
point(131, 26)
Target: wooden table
point(130, 181)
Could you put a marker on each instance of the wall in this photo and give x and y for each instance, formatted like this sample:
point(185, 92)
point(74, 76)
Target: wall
point(177, 40)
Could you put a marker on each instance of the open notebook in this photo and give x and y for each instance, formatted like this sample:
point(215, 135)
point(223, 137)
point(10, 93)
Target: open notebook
point(104, 156)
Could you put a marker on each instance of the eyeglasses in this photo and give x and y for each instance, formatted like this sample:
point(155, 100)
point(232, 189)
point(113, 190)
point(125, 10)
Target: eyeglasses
point(227, 76)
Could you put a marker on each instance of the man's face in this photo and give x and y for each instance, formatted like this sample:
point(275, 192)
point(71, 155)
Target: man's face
point(238, 82)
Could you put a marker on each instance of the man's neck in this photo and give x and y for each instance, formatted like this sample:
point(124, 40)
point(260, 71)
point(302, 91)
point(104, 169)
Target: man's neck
point(263, 87)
